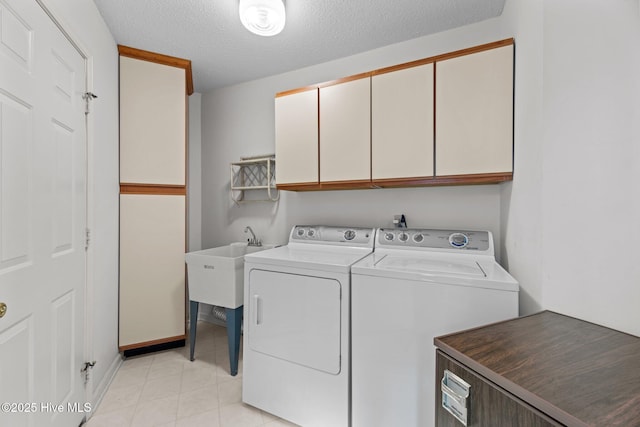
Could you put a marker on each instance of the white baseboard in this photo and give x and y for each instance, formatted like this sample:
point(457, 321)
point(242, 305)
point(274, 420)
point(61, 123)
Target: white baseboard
point(101, 389)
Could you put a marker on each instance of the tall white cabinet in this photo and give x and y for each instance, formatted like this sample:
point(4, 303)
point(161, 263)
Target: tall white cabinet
point(153, 134)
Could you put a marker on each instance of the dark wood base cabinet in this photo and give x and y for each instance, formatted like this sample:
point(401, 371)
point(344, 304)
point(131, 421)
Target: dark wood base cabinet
point(546, 369)
point(488, 405)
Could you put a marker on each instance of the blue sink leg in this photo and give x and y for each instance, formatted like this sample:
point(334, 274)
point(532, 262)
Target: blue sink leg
point(234, 325)
point(193, 321)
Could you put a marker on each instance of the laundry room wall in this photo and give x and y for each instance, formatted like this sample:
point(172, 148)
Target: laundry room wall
point(521, 217)
point(570, 217)
point(239, 121)
point(194, 179)
point(565, 227)
point(85, 24)
point(591, 167)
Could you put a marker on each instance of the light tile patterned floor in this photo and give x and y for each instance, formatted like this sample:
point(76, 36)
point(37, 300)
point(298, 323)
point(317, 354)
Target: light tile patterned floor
point(166, 389)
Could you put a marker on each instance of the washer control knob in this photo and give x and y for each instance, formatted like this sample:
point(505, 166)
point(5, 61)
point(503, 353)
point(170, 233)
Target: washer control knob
point(418, 238)
point(458, 240)
point(311, 232)
point(349, 235)
point(300, 232)
point(389, 237)
point(403, 237)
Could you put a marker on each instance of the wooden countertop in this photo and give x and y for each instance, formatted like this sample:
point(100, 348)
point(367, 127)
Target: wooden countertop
point(578, 373)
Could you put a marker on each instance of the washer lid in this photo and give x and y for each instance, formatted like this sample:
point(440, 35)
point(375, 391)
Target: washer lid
point(468, 268)
point(433, 268)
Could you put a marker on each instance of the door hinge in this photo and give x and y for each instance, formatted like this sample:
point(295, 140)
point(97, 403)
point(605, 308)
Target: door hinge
point(88, 96)
point(87, 238)
point(85, 370)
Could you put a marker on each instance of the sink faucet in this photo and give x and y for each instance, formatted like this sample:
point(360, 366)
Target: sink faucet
point(253, 241)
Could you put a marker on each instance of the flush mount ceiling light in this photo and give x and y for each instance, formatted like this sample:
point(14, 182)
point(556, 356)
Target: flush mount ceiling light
point(262, 17)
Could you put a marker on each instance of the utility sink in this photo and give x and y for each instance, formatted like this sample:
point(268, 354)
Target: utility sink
point(216, 275)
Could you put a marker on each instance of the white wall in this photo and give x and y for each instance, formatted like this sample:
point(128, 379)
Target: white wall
point(591, 161)
point(194, 181)
point(570, 217)
point(521, 217)
point(566, 226)
point(82, 19)
point(238, 121)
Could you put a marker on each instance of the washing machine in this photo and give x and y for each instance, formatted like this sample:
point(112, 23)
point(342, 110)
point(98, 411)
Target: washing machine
point(418, 284)
point(296, 332)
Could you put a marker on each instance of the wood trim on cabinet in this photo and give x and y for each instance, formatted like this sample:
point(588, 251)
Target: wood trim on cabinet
point(425, 181)
point(411, 64)
point(155, 189)
point(398, 67)
point(159, 58)
point(298, 90)
point(324, 186)
point(475, 49)
point(301, 186)
point(345, 80)
point(152, 343)
point(483, 178)
point(324, 84)
point(479, 178)
point(346, 185)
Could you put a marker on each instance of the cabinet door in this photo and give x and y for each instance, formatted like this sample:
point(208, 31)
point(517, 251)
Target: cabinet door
point(402, 123)
point(474, 113)
point(152, 279)
point(297, 138)
point(487, 405)
point(152, 123)
point(345, 131)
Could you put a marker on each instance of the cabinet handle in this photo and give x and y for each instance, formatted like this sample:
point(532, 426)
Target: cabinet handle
point(455, 392)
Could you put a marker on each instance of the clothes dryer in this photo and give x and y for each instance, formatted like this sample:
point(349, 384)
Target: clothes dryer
point(418, 284)
point(296, 333)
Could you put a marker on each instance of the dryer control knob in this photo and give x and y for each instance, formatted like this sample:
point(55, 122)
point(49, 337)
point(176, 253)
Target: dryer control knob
point(403, 237)
point(458, 240)
point(418, 238)
point(349, 235)
point(300, 232)
point(389, 237)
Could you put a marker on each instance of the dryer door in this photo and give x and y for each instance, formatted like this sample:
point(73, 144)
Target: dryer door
point(296, 318)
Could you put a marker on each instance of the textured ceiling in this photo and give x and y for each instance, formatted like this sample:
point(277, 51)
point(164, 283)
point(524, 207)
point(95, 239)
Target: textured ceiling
point(209, 32)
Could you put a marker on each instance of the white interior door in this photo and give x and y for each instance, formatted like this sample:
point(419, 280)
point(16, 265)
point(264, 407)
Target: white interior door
point(42, 220)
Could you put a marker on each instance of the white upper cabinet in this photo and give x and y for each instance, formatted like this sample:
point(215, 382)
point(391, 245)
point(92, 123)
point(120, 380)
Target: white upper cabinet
point(474, 113)
point(442, 120)
point(297, 137)
point(152, 123)
point(402, 123)
point(345, 131)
